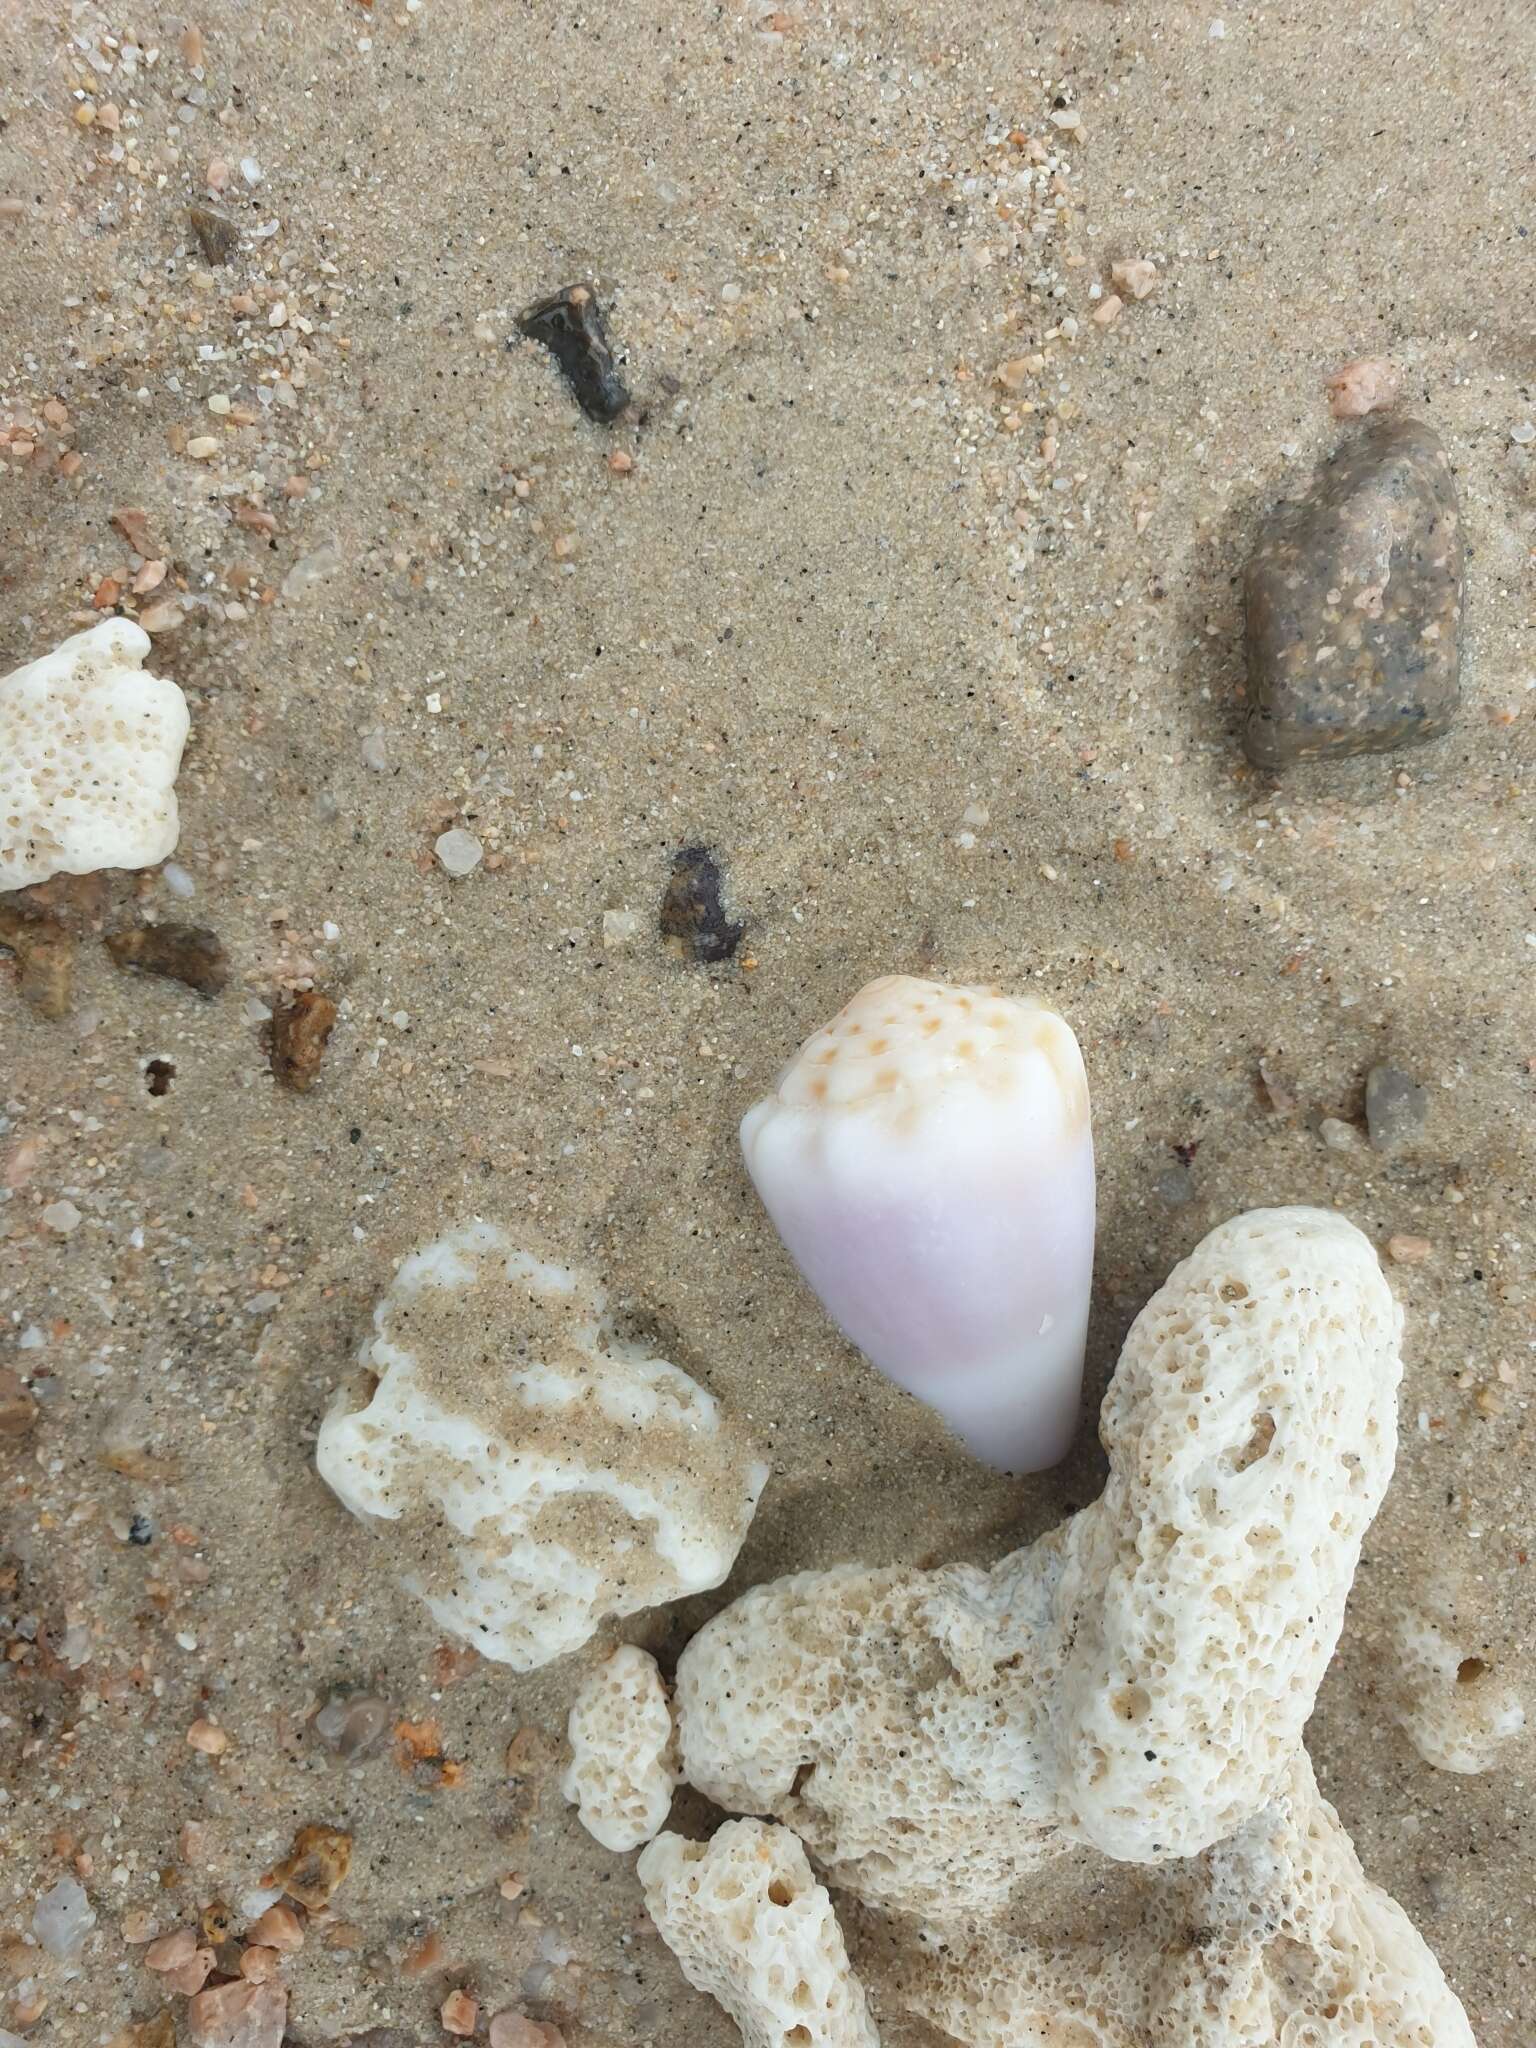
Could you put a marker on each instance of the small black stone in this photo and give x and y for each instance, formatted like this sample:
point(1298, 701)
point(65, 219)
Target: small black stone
point(141, 1530)
point(693, 919)
point(570, 325)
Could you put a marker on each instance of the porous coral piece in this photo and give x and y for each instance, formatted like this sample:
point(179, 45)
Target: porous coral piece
point(1137, 1680)
point(90, 744)
point(623, 1768)
point(531, 1472)
point(1273, 1939)
point(1251, 1427)
point(1452, 1704)
point(749, 1925)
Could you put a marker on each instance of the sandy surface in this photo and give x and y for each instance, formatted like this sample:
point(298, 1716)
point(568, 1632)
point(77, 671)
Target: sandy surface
point(849, 589)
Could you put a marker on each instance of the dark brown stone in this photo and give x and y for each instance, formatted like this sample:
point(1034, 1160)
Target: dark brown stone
point(297, 1036)
point(693, 919)
point(217, 236)
point(45, 952)
point(1353, 604)
point(188, 953)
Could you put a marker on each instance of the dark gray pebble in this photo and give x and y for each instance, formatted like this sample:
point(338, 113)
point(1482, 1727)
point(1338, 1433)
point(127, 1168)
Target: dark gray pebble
point(570, 325)
point(693, 919)
point(1353, 604)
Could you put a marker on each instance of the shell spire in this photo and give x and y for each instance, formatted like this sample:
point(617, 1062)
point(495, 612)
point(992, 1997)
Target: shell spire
point(927, 1159)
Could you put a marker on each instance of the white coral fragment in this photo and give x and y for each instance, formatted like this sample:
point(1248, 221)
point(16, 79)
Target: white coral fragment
point(530, 1472)
point(90, 745)
point(1274, 1939)
point(1084, 1768)
point(749, 1925)
point(1452, 1704)
point(623, 1768)
point(1138, 1679)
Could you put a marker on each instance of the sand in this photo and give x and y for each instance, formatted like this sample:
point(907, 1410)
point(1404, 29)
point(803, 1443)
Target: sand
point(945, 684)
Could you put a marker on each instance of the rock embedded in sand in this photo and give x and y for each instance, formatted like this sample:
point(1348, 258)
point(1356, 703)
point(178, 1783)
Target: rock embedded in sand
point(352, 1725)
point(531, 1471)
point(63, 1917)
point(1353, 601)
point(693, 919)
point(18, 1409)
point(45, 952)
point(316, 1866)
point(188, 953)
point(1395, 1108)
point(300, 1030)
point(570, 325)
point(217, 235)
point(1368, 384)
point(239, 2015)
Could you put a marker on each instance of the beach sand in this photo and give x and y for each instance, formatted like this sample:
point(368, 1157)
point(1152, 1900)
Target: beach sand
point(945, 672)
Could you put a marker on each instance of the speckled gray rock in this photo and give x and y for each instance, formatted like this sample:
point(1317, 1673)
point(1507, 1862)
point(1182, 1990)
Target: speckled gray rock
point(1353, 604)
point(1395, 1108)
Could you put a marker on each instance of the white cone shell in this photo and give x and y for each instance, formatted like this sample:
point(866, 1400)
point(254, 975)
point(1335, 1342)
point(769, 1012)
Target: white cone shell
point(928, 1161)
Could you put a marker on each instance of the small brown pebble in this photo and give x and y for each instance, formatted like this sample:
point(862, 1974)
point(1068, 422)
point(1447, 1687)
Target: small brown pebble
point(188, 953)
point(427, 1956)
point(106, 593)
point(527, 1751)
point(132, 522)
point(621, 462)
point(159, 2032)
point(171, 1950)
point(1136, 276)
point(315, 1866)
point(1108, 310)
point(513, 1886)
point(1408, 1251)
point(45, 952)
point(279, 1927)
point(258, 1964)
point(459, 2013)
point(138, 1924)
point(18, 1414)
point(192, 1975)
point(217, 1922)
point(301, 1026)
point(1363, 386)
point(207, 1737)
point(239, 2015)
point(516, 2030)
point(1278, 1092)
point(217, 236)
